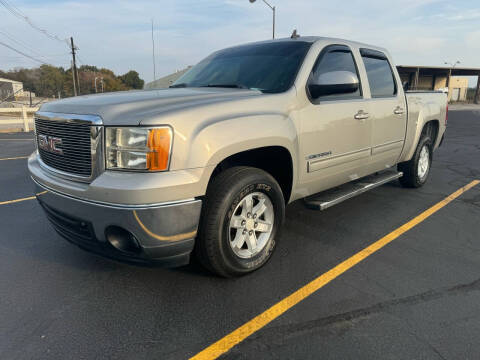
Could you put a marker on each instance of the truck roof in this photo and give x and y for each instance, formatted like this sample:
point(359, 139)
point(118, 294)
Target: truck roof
point(313, 39)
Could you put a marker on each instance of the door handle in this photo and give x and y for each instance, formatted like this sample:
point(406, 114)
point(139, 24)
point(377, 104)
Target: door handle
point(361, 115)
point(398, 110)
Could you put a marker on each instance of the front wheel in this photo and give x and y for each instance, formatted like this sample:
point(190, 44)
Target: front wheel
point(243, 210)
point(415, 171)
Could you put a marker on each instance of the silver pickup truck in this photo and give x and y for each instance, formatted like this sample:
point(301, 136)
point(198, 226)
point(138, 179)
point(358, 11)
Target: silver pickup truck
point(208, 166)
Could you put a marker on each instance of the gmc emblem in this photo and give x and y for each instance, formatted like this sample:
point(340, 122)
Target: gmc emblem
point(49, 143)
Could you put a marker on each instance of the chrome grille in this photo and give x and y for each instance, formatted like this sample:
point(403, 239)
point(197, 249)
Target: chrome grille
point(76, 154)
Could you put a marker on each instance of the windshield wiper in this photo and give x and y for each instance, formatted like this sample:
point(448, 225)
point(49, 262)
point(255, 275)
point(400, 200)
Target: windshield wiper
point(233, 86)
point(181, 85)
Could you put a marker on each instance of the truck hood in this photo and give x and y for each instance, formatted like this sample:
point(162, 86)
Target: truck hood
point(133, 107)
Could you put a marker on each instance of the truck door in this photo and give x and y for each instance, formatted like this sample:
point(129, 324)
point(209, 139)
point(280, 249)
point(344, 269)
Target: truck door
point(387, 109)
point(335, 137)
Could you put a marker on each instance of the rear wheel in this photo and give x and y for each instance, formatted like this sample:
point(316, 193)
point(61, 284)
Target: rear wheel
point(243, 211)
point(415, 171)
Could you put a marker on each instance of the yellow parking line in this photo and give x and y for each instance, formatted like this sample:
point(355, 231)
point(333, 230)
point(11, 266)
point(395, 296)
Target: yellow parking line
point(229, 341)
point(24, 199)
point(15, 158)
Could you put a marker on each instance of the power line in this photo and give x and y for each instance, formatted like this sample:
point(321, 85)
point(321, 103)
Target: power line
point(19, 14)
point(15, 11)
point(22, 53)
point(10, 95)
point(44, 56)
point(80, 60)
point(22, 44)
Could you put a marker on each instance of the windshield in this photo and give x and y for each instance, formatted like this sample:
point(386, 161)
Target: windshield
point(268, 67)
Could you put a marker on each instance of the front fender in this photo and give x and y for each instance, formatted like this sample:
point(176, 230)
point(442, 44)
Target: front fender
point(217, 140)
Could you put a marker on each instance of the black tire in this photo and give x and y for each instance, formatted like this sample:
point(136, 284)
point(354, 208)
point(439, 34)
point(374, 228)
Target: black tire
point(411, 177)
point(225, 192)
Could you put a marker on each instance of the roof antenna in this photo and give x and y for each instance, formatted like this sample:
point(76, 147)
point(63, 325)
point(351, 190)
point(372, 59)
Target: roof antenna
point(294, 34)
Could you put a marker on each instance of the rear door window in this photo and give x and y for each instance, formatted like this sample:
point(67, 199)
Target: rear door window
point(379, 73)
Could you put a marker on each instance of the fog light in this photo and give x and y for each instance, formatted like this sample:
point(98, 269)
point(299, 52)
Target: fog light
point(122, 239)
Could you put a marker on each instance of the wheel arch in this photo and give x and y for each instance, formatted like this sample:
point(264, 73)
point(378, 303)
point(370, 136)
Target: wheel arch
point(274, 159)
point(267, 141)
point(430, 127)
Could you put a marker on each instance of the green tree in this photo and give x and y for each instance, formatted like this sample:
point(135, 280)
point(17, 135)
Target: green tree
point(51, 80)
point(48, 80)
point(132, 80)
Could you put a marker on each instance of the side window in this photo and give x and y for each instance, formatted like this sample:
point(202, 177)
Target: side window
point(336, 58)
point(379, 73)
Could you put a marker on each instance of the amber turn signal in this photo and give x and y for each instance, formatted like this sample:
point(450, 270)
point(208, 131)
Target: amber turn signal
point(159, 144)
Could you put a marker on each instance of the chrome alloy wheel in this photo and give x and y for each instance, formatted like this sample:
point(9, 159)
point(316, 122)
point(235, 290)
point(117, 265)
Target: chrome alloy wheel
point(251, 225)
point(423, 162)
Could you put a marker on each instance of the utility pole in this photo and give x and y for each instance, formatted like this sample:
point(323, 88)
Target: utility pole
point(452, 67)
point(74, 68)
point(153, 53)
point(73, 78)
point(101, 81)
point(273, 22)
point(78, 81)
point(476, 100)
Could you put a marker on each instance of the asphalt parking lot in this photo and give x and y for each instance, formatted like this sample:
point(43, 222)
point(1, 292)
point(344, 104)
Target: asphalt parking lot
point(416, 298)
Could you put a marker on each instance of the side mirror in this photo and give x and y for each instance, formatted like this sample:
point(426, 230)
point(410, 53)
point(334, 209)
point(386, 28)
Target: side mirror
point(406, 85)
point(334, 82)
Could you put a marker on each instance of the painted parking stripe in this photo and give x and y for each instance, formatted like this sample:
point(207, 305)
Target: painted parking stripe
point(15, 158)
point(23, 199)
point(235, 337)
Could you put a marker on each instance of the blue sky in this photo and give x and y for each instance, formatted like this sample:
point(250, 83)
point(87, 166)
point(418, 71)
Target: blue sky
point(117, 34)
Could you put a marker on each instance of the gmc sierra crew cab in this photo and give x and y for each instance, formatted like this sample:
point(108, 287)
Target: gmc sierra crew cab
point(207, 166)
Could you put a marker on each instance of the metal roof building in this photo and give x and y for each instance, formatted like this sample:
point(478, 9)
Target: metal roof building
point(436, 77)
point(165, 81)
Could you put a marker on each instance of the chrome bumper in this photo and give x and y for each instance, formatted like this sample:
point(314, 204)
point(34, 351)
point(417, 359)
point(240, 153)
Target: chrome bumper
point(165, 232)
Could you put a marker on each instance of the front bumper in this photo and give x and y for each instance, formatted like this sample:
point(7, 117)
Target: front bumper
point(165, 233)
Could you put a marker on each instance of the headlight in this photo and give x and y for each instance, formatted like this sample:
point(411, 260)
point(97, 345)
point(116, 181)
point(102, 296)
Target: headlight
point(138, 148)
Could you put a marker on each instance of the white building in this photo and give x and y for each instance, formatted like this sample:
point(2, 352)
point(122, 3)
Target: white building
point(10, 88)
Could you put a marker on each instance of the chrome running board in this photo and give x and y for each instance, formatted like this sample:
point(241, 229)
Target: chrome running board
point(328, 198)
